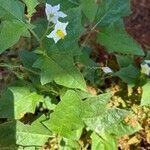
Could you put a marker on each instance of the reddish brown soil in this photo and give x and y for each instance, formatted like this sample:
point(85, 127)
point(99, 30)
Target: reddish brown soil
point(138, 24)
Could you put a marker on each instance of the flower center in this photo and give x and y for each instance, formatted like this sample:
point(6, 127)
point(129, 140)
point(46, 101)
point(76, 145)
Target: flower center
point(60, 33)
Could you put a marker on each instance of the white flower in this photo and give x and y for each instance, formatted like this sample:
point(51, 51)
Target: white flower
point(53, 13)
point(59, 31)
point(145, 67)
point(107, 70)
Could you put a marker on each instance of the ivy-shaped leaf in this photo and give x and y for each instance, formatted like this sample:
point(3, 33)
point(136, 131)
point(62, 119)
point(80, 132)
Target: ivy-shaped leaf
point(66, 118)
point(17, 133)
point(17, 101)
point(60, 68)
point(103, 122)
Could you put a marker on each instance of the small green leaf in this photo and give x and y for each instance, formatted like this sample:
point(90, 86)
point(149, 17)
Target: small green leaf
point(10, 32)
point(31, 4)
point(129, 74)
point(66, 118)
point(62, 71)
point(17, 133)
point(124, 61)
point(117, 40)
point(145, 100)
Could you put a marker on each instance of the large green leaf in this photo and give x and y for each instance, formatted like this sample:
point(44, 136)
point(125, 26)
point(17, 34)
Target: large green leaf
point(117, 40)
point(60, 68)
point(66, 118)
point(15, 132)
point(129, 74)
point(95, 106)
point(11, 9)
point(103, 142)
point(89, 7)
point(110, 11)
point(17, 101)
point(10, 32)
point(101, 123)
point(145, 100)
point(31, 4)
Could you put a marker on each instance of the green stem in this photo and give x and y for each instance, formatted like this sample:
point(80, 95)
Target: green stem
point(45, 33)
point(35, 35)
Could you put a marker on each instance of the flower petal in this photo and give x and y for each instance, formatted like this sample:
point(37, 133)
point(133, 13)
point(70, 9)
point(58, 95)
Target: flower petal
point(61, 14)
point(56, 8)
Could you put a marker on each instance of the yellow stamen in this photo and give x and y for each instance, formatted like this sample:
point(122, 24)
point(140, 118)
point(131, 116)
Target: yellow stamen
point(60, 33)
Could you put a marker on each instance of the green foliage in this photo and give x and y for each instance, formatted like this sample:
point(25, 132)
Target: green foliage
point(12, 25)
point(110, 11)
point(117, 40)
point(145, 95)
point(89, 7)
point(62, 71)
point(10, 32)
point(31, 4)
point(17, 101)
point(104, 142)
point(68, 111)
point(15, 132)
point(129, 74)
point(55, 85)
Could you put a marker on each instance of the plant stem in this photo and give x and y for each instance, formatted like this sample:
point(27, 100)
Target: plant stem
point(45, 33)
point(35, 35)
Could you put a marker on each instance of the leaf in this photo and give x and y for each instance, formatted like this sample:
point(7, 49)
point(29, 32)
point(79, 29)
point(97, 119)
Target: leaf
point(89, 7)
point(110, 11)
point(31, 4)
point(10, 32)
point(68, 114)
point(101, 123)
point(62, 71)
point(129, 74)
point(145, 100)
point(15, 132)
point(17, 101)
point(11, 9)
point(95, 106)
point(117, 40)
point(124, 61)
point(103, 142)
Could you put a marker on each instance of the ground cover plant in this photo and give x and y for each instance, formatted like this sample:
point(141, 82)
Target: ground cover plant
point(54, 92)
